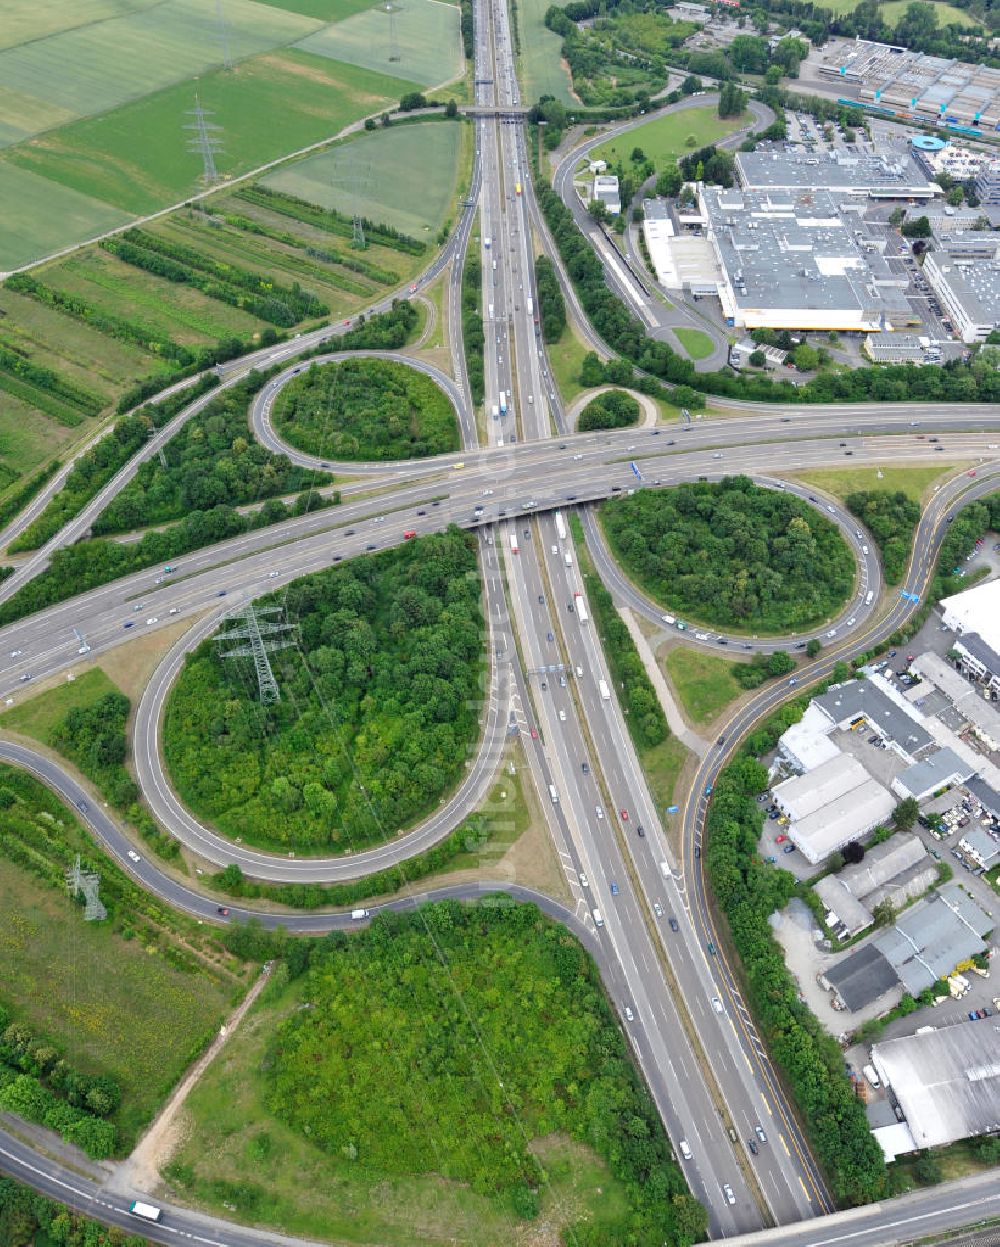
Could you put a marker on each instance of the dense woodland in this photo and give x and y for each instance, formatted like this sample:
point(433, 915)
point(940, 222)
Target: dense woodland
point(485, 1027)
point(365, 409)
point(732, 554)
point(213, 461)
point(473, 334)
point(614, 409)
point(379, 710)
point(551, 305)
point(891, 518)
point(28, 1219)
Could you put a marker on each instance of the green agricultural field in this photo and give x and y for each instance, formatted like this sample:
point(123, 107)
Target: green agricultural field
point(351, 1105)
point(114, 1005)
point(893, 10)
point(97, 67)
point(697, 344)
point(541, 70)
point(417, 40)
point(136, 157)
point(325, 10)
point(24, 20)
point(38, 216)
point(366, 409)
point(27, 437)
point(406, 176)
point(703, 682)
point(666, 138)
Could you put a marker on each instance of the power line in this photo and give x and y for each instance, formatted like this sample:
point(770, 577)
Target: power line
point(205, 141)
point(227, 60)
point(260, 639)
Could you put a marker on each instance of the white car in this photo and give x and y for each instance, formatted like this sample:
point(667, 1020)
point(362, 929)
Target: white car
point(727, 1190)
point(629, 1015)
point(173, 610)
point(84, 648)
point(16, 653)
point(600, 812)
point(271, 575)
point(830, 509)
point(717, 1005)
point(852, 621)
point(562, 716)
point(832, 632)
point(578, 456)
point(379, 519)
point(584, 881)
point(153, 619)
point(133, 856)
point(658, 909)
point(487, 493)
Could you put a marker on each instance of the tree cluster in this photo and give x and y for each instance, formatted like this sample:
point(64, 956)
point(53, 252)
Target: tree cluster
point(748, 891)
point(28, 1219)
point(647, 723)
point(366, 409)
point(473, 335)
point(93, 737)
point(762, 667)
point(732, 101)
point(732, 554)
point(551, 305)
point(614, 409)
point(95, 467)
point(891, 518)
point(380, 705)
point(414, 1101)
point(256, 293)
point(15, 503)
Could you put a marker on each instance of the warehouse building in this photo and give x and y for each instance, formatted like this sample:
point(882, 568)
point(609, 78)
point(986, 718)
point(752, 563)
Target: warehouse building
point(980, 660)
point(831, 805)
point(896, 348)
point(981, 715)
point(913, 85)
point(894, 175)
point(981, 847)
point(941, 769)
point(965, 276)
point(946, 1081)
point(886, 713)
point(801, 260)
point(975, 610)
point(898, 870)
point(925, 944)
point(682, 261)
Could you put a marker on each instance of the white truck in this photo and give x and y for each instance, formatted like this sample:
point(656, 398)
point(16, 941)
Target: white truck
point(358, 915)
point(513, 543)
point(503, 402)
point(486, 243)
point(554, 794)
point(873, 1078)
point(496, 411)
point(531, 307)
point(148, 1212)
point(568, 559)
point(605, 691)
point(581, 607)
point(560, 526)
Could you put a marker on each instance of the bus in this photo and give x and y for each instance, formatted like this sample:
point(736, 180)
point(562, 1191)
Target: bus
point(560, 526)
point(148, 1212)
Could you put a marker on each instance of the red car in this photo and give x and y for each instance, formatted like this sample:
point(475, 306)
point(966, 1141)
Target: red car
point(624, 816)
point(534, 734)
point(409, 534)
point(347, 322)
point(223, 910)
point(971, 472)
point(780, 839)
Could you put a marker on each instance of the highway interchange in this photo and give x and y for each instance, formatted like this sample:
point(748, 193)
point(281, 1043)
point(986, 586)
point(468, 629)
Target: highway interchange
point(707, 1070)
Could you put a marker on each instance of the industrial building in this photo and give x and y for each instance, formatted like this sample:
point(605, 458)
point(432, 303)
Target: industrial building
point(911, 85)
point(606, 192)
point(988, 184)
point(975, 610)
point(925, 944)
point(937, 155)
point(682, 261)
point(941, 769)
point(945, 1081)
point(898, 870)
point(980, 660)
point(963, 270)
point(801, 260)
point(982, 717)
point(831, 805)
point(890, 176)
point(980, 846)
point(896, 348)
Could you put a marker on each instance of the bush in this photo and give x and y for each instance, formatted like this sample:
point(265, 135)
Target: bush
point(614, 409)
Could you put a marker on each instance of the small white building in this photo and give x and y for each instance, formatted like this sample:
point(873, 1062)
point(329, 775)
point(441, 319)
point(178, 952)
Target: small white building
point(606, 192)
point(598, 166)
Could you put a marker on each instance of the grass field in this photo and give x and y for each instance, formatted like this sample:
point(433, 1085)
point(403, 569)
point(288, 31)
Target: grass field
point(894, 10)
point(38, 216)
point(916, 483)
point(417, 40)
point(567, 357)
point(306, 1191)
point(406, 176)
point(37, 718)
point(97, 67)
point(541, 70)
point(27, 437)
point(136, 157)
point(703, 682)
point(697, 344)
point(662, 765)
point(666, 138)
point(112, 1004)
point(26, 19)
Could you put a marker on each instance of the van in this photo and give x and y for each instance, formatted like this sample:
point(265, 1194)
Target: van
point(685, 1150)
point(569, 559)
point(554, 794)
point(598, 920)
point(873, 1078)
point(358, 915)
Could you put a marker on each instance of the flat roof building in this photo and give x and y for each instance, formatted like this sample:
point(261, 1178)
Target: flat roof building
point(848, 703)
point(975, 610)
point(895, 348)
point(946, 1081)
point(967, 282)
point(897, 870)
point(894, 175)
point(979, 659)
point(940, 769)
point(980, 846)
point(980, 714)
point(606, 192)
point(801, 260)
point(831, 805)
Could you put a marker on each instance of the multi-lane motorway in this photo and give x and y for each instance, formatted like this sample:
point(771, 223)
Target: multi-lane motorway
point(639, 908)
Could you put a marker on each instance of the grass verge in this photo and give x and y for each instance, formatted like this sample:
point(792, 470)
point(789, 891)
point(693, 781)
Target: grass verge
point(703, 682)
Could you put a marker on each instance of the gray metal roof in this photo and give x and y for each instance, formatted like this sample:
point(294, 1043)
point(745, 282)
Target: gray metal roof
point(974, 644)
point(882, 863)
point(987, 796)
point(842, 902)
point(979, 839)
point(862, 977)
point(947, 1081)
point(847, 701)
point(937, 769)
point(770, 166)
point(932, 937)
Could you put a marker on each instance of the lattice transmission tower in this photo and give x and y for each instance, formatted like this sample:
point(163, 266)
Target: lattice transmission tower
point(220, 21)
point(356, 180)
point(394, 55)
point(87, 882)
point(260, 637)
point(205, 141)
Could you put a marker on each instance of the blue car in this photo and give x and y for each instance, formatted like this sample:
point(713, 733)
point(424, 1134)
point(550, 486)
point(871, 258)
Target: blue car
point(708, 790)
point(614, 888)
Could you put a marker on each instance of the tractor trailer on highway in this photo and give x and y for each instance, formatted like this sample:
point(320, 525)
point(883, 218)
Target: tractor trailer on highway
point(513, 543)
point(503, 402)
point(605, 691)
point(581, 607)
point(560, 526)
